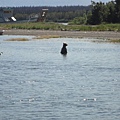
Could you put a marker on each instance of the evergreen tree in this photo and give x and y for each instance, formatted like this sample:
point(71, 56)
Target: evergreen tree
point(117, 8)
point(108, 13)
point(111, 12)
point(99, 13)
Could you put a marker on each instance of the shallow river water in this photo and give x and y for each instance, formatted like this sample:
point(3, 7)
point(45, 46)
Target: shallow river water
point(38, 83)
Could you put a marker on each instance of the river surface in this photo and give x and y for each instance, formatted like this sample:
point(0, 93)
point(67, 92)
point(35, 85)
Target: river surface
point(38, 83)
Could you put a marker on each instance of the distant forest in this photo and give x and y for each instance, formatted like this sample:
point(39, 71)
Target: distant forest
point(55, 14)
point(94, 14)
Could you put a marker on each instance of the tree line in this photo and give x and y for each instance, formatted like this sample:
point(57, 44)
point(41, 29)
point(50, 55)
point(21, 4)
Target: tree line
point(96, 13)
point(55, 14)
point(104, 13)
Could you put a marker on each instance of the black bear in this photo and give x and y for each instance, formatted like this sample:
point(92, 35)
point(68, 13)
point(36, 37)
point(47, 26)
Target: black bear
point(64, 49)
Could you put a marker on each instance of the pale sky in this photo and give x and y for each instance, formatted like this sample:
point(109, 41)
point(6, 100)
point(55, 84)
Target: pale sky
point(14, 3)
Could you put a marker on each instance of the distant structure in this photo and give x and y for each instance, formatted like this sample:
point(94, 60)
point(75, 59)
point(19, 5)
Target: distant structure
point(6, 15)
point(33, 18)
point(42, 15)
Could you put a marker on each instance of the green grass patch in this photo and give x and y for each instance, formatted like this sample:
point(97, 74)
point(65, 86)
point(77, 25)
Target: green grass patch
point(18, 39)
point(115, 40)
point(55, 26)
point(46, 37)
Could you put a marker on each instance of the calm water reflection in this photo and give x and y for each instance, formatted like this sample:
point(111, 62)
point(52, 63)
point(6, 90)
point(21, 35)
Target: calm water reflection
point(38, 83)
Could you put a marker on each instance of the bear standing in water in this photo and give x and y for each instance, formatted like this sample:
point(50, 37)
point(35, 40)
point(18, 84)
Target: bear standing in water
point(64, 49)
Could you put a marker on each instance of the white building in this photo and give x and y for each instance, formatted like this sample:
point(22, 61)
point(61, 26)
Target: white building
point(6, 15)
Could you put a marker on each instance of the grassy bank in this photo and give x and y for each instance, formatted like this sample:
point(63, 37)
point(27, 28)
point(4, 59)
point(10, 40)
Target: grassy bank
point(55, 26)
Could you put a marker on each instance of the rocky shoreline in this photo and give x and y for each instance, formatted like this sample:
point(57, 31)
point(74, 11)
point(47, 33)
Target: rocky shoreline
point(72, 34)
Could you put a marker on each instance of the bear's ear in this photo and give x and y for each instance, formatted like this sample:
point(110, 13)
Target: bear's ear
point(65, 44)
